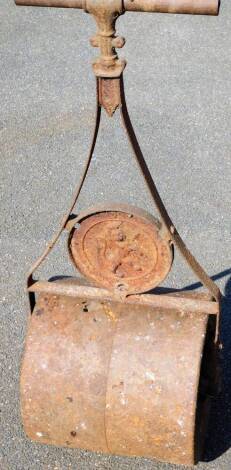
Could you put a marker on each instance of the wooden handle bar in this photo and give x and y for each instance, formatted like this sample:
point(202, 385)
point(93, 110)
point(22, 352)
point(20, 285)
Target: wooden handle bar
point(196, 7)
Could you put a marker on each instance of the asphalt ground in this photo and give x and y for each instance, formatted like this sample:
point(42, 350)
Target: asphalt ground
point(178, 90)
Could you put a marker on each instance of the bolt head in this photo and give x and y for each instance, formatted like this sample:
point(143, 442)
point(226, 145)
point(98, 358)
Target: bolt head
point(118, 42)
point(94, 41)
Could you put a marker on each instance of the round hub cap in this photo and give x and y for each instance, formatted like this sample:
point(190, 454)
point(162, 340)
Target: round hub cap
point(120, 250)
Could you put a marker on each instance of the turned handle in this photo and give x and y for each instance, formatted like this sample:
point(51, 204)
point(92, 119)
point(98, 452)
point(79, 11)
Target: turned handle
point(194, 7)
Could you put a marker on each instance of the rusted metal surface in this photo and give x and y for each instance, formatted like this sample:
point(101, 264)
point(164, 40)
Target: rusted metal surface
point(109, 94)
point(113, 377)
point(104, 370)
point(105, 13)
point(121, 250)
point(192, 302)
point(196, 7)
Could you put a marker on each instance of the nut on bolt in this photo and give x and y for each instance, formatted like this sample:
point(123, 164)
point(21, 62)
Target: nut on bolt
point(118, 42)
point(94, 41)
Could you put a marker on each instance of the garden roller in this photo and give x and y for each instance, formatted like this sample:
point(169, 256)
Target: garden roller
point(113, 362)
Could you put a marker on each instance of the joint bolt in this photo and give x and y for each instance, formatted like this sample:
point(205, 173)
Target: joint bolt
point(118, 42)
point(94, 41)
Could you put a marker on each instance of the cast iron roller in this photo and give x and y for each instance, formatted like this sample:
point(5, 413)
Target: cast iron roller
point(103, 370)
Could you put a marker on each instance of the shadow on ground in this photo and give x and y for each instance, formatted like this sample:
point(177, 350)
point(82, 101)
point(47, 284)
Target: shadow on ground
point(218, 438)
point(219, 432)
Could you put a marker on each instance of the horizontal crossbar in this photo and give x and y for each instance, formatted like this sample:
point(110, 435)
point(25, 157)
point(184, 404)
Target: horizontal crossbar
point(185, 302)
point(194, 7)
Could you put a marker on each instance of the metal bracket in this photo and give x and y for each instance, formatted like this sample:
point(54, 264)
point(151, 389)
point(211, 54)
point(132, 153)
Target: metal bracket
point(106, 13)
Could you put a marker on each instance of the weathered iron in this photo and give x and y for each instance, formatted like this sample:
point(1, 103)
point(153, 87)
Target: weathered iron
point(114, 377)
point(108, 365)
point(183, 302)
point(122, 250)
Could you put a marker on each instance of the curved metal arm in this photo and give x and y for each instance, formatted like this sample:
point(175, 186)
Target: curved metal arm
point(76, 194)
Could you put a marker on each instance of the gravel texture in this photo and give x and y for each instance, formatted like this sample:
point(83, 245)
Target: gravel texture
point(178, 90)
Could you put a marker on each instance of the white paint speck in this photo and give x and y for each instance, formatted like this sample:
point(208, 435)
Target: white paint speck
point(180, 421)
point(150, 375)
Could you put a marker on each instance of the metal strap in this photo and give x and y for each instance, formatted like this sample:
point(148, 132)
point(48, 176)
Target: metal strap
point(173, 234)
point(76, 194)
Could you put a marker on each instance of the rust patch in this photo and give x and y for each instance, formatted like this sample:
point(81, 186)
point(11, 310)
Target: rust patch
point(121, 251)
point(39, 312)
point(109, 94)
point(129, 387)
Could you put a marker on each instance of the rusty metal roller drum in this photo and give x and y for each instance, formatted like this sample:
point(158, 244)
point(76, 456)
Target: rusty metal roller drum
point(112, 378)
point(197, 7)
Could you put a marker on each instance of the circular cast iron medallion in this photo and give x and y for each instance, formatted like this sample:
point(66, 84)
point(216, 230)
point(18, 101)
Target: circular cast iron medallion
point(121, 250)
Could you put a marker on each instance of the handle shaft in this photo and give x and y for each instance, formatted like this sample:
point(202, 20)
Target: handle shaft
point(195, 7)
point(51, 3)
